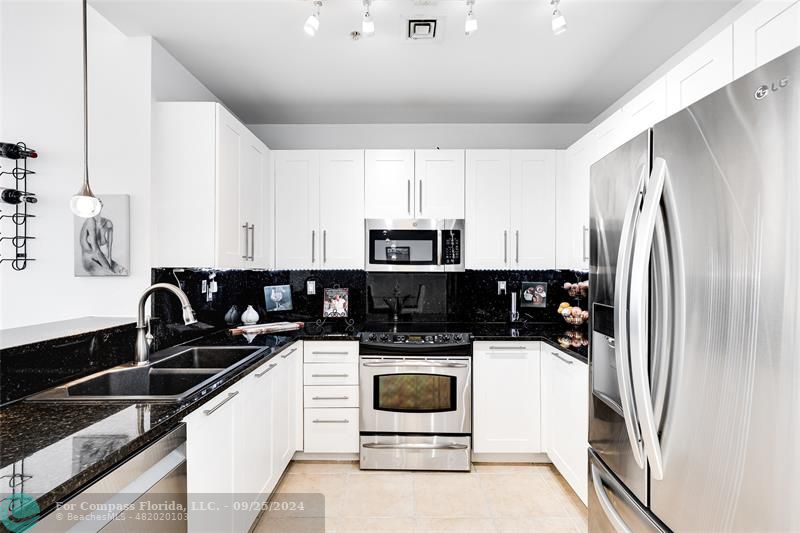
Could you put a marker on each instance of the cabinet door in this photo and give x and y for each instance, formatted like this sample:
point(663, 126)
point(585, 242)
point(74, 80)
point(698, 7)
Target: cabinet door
point(532, 241)
point(282, 433)
point(341, 209)
point(440, 183)
point(389, 183)
point(572, 205)
point(507, 401)
point(230, 233)
point(705, 71)
point(256, 202)
point(768, 30)
point(646, 109)
point(488, 220)
point(296, 209)
point(209, 463)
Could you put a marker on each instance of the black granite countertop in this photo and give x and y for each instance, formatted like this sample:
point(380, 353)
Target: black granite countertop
point(53, 450)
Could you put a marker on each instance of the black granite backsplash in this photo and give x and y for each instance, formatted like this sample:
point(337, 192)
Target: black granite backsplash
point(469, 296)
point(34, 367)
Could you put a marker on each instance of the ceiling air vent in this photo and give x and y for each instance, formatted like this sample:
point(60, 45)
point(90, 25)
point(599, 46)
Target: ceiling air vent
point(420, 29)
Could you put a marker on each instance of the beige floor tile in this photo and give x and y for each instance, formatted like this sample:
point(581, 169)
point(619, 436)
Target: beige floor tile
point(379, 495)
point(511, 495)
point(575, 506)
point(370, 525)
point(513, 468)
point(449, 494)
point(581, 524)
point(304, 467)
point(534, 525)
point(455, 525)
point(290, 525)
point(331, 486)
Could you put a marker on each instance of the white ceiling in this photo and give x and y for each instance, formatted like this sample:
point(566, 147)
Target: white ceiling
point(255, 56)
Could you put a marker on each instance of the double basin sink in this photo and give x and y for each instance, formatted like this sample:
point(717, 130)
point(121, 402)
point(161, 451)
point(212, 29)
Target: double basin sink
point(171, 376)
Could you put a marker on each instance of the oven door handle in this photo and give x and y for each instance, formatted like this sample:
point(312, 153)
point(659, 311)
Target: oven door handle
point(415, 446)
point(428, 364)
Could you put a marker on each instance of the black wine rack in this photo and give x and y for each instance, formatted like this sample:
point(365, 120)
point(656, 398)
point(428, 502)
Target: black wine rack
point(20, 216)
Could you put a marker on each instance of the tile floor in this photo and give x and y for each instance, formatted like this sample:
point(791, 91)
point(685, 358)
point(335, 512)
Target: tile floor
point(491, 498)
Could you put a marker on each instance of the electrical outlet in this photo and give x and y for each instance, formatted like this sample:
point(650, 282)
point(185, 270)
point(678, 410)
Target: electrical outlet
point(501, 287)
point(204, 286)
point(311, 287)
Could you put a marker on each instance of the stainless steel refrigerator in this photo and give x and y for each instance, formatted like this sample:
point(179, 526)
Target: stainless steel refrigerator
point(695, 286)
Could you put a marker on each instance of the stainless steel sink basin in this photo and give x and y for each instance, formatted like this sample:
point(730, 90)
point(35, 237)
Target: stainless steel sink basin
point(173, 375)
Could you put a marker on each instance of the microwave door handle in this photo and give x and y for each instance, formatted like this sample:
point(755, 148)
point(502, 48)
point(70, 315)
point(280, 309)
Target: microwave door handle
point(639, 301)
point(621, 352)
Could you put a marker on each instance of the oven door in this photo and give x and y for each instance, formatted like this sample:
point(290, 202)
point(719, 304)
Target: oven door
point(403, 246)
point(416, 394)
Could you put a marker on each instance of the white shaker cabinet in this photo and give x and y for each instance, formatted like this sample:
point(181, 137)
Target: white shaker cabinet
point(506, 387)
point(572, 204)
point(439, 176)
point(769, 29)
point(389, 184)
point(565, 420)
point(211, 189)
point(703, 72)
point(511, 209)
point(645, 109)
point(319, 209)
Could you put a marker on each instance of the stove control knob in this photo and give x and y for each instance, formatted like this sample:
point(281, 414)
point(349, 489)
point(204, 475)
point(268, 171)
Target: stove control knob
point(445, 338)
point(428, 338)
point(457, 338)
point(371, 337)
point(384, 338)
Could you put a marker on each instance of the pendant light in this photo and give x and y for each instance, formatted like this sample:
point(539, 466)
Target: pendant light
point(471, 23)
point(559, 21)
point(367, 24)
point(85, 204)
point(311, 27)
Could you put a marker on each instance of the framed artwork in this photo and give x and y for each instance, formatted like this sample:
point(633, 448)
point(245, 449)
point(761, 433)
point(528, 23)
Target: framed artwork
point(102, 242)
point(534, 294)
point(278, 297)
point(336, 303)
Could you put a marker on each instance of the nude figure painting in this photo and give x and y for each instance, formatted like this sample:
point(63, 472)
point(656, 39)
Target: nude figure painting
point(103, 242)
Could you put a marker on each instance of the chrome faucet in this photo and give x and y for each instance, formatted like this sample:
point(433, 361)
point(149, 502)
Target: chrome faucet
point(142, 348)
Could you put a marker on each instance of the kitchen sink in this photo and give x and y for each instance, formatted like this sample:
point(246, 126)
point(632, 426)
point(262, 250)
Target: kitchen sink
point(171, 376)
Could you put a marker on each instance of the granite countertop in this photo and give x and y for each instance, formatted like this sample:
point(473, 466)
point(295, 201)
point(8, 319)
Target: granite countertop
point(12, 337)
point(53, 450)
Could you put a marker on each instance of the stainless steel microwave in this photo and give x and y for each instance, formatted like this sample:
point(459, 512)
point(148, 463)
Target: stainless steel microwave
point(414, 245)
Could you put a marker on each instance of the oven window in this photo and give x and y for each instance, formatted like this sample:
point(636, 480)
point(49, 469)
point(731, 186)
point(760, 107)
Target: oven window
point(403, 247)
point(415, 393)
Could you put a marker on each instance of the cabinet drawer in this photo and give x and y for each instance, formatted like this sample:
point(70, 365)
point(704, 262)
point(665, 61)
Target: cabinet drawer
point(330, 374)
point(331, 352)
point(331, 430)
point(331, 396)
point(500, 347)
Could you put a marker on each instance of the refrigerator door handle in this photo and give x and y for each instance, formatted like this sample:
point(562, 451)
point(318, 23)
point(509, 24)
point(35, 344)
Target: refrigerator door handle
point(605, 503)
point(621, 352)
point(640, 285)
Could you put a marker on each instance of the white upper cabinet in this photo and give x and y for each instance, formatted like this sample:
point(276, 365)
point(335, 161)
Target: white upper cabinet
point(439, 176)
point(341, 208)
point(319, 209)
point(766, 31)
point(510, 209)
point(219, 170)
point(533, 209)
point(705, 71)
point(572, 205)
point(645, 109)
point(296, 209)
point(389, 184)
point(488, 221)
point(608, 136)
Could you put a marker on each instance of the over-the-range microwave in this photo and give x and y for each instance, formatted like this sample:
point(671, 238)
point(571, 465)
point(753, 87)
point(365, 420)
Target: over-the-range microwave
point(414, 245)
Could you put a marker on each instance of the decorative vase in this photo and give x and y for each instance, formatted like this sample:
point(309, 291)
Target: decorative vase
point(249, 316)
point(232, 316)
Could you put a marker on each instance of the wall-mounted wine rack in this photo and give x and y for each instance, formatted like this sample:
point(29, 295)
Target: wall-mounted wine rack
point(20, 216)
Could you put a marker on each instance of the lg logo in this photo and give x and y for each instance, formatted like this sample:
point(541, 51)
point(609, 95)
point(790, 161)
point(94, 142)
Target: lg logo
point(776, 86)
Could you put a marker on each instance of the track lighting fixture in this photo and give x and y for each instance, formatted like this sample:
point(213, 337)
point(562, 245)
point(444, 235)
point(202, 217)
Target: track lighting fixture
point(367, 24)
point(471, 24)
point(559, 22)
point(311, 26)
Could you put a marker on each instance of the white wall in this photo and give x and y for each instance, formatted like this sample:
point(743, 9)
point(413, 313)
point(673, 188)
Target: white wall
point(172, 82)
point(332, 136)
point(42, 105)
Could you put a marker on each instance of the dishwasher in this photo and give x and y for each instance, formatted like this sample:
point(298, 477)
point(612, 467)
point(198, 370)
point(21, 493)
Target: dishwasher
point(145, 493)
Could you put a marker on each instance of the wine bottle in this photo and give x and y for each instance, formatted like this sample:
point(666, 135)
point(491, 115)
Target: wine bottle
point(14, 196)
point(15, 151)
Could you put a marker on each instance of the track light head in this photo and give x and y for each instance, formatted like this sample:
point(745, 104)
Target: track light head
point(367, 24)
point(559, 21)
point(311, 27)
point(471, 23)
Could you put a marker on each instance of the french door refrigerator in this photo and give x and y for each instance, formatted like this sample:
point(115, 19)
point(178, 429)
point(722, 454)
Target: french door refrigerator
point(695, 287)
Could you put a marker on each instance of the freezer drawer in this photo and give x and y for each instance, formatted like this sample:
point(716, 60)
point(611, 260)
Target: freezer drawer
point(612, 508)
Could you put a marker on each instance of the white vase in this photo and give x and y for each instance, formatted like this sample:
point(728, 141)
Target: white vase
point(249, 316)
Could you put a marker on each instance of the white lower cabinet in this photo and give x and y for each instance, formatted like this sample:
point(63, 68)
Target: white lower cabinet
point(565, 421)
point(330, 414)
point(240, 442)
point(506, 391)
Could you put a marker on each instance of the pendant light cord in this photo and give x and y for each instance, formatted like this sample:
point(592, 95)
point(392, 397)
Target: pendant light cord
point(85, 101)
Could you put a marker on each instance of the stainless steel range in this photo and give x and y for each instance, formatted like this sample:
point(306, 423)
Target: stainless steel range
point(416, 401)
